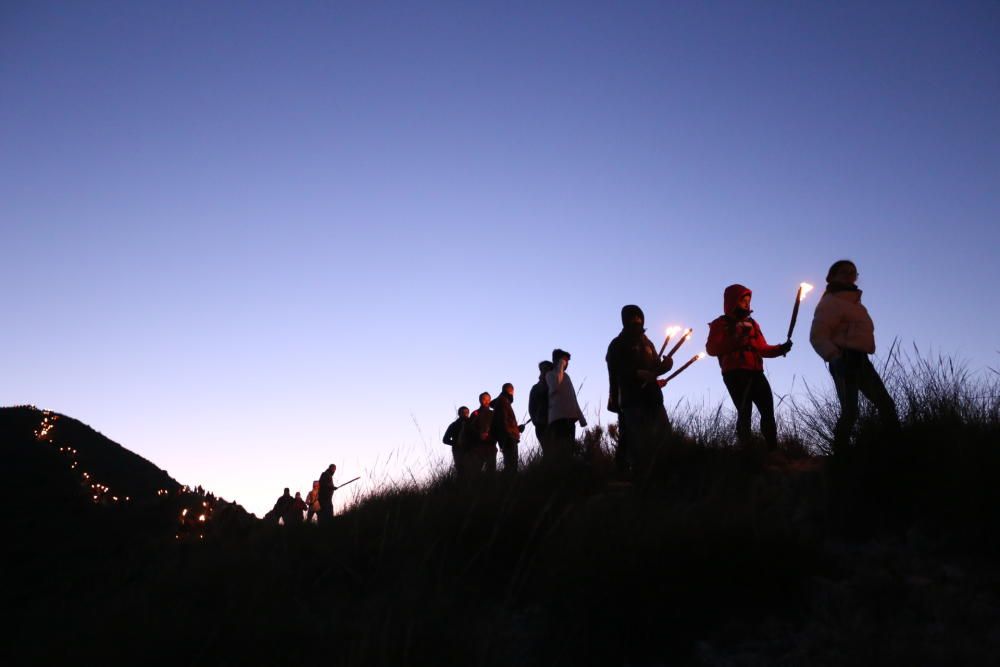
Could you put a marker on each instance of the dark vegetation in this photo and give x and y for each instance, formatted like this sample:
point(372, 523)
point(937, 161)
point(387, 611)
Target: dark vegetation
point(884, 554)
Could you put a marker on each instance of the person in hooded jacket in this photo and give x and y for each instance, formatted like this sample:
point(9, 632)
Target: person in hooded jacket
point(505, 427)
point(736, 339)
point(635, 392)
point(843, 334)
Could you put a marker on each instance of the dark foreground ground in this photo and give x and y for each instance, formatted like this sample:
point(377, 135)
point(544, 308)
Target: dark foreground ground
point(883, 555)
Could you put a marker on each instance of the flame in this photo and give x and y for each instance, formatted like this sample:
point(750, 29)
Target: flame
point(700, 355)
point(806, 288)
point(672, 331)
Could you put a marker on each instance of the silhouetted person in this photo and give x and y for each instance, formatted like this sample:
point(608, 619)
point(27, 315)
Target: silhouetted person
point(736, 339)
point(633, 370)
point(452, 435)
point(538, 404)
point(479, 451)
point(564, 409)
point(326, 489)
point(505, 427)
point(281, 507)
point(312, 501)
point(843, 334)
point(295, 509)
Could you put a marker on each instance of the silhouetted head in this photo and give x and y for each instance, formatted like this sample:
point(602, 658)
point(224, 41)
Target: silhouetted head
point(315, 483)
point(736, 301)
point(558, 355)
point(632, 317)
point(463, 412)
point(543, 368)
point(286, 493)
point(484, 399)
point(298, 495)
point(332, 468)
point(843, 272)
point(508, 389)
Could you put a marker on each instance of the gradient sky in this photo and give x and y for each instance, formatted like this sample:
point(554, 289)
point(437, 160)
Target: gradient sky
point(245, 240)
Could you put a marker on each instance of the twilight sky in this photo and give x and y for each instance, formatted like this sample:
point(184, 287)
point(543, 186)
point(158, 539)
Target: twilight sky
point(246, 240)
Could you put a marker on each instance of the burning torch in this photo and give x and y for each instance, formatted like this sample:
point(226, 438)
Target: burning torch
point(682, 368)
point(804, 289)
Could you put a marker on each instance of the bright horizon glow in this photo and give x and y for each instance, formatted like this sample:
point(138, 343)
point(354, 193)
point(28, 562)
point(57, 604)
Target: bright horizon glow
point(249, 240)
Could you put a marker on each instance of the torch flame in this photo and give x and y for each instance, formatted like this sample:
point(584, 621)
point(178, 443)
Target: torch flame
point(701, 355)
point(672, 331)
point(806, 288)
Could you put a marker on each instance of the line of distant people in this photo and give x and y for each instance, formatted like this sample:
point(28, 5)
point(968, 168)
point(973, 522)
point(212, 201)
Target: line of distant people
point(842, 334)
point(553, 409)
point(318, 502)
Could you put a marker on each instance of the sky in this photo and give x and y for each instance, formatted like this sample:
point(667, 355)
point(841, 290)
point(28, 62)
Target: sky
point(245, 240)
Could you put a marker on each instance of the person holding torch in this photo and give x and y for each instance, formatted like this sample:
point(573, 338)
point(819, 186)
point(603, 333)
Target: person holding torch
point(633, 368)
point(736, 339)
point(843, 334)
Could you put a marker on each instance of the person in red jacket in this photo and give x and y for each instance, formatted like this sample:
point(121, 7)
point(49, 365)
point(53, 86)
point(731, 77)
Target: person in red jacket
point(736, 339)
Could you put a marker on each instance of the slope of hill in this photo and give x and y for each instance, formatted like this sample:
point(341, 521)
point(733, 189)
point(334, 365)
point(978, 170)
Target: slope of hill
point(886, 554)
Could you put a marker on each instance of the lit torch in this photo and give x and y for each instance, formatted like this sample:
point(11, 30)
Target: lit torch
point(670, 334)
point(684, 337)
point(804, 289)
point(682, 368)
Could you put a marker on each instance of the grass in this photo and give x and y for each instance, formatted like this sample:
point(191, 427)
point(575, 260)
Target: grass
point(883, 554)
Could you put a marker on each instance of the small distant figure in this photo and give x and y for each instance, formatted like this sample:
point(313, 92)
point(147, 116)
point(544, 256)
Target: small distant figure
point(505, 427)
point(326, 489)
point(843, 334)
point(295, 509)
point(538, 404)
point(636, 395)
point(452, 436)
point(564, 409)
point(736, 339)
point(479, 452)
point(281, 508)
point(312, 502)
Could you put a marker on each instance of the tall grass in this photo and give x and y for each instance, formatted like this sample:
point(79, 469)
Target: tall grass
point(713, 558)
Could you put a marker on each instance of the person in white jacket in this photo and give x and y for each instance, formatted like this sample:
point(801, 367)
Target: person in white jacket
point(843, 334)
point(564, 410)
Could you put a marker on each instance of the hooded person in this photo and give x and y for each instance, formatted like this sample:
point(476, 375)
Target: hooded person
point(505, 427)
point(326, 489)
point(281, 508)
point(843, 335)
point(635, 393)
point(736, 340)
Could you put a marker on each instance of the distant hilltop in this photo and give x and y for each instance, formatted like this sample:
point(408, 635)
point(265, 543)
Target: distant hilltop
point(59, 468)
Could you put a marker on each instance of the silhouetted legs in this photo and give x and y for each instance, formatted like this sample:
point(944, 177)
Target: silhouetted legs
point(853, 373)
point(749, 388)
point(560, 436)
point(645, 429)
point(509, 450)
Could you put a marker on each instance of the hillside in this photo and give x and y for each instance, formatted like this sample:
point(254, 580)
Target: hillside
point(886, 554)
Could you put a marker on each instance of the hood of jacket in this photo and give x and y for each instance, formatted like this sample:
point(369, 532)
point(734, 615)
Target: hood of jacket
point(629, 312)
point(731, 300)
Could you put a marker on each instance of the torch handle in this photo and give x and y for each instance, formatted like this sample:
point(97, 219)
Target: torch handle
point(681, 369)
point(684, 337)
point(795, 312)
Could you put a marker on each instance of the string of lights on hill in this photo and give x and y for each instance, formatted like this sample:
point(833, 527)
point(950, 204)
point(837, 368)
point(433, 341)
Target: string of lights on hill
point(196, 507)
